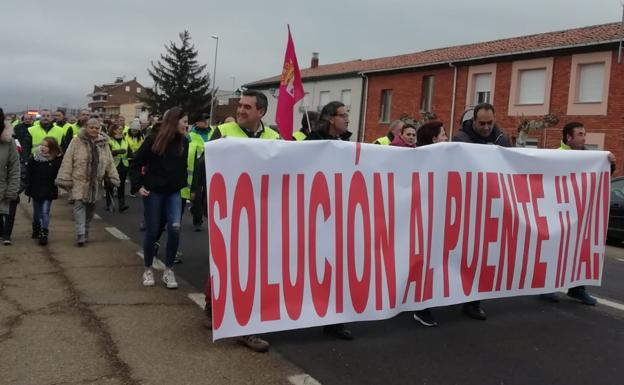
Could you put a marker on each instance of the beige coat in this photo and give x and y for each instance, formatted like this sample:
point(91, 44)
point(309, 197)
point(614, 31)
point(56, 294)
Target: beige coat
point(75, 174)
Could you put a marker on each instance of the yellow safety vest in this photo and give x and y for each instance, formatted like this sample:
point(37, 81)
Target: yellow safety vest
point(299, 135)
point(384, 141)
point(193, 154)
point(38, 134)
point(65, 127)
point(120, 158)
point(134, 143)
point(197, 139)
point(232, 129)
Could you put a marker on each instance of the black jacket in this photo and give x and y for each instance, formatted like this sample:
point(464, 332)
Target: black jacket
point(467, 134)
point(164, 174)
point(198, 187)
point(40, 178)
point(319, 135)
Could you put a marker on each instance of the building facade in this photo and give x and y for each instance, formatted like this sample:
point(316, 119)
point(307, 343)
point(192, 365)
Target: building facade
point(573, 74)
point(120, 98)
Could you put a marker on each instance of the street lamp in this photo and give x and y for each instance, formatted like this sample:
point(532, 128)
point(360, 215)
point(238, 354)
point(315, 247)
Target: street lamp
point(214, 79)
point(233, 82)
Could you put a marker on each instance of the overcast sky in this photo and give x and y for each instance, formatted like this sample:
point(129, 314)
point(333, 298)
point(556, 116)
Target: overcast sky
point(53, 52)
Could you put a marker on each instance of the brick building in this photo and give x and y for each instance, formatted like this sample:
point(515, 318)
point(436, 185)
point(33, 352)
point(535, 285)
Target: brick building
point(573, 74)
point(120, 98)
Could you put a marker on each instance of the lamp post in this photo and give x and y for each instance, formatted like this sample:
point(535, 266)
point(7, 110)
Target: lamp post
point(233, 82)
point(214, 79)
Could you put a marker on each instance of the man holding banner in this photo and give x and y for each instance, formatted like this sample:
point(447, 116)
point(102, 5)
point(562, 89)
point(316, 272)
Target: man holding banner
point(251, 108)
point(332, 125)
point(573, 138)
point(481, 129)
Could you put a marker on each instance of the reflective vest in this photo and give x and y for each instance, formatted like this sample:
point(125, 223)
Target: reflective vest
point(38, 134)
point(232, 129)
point(134, 143)
point(65, 127)
point(193, 154)
point(15, 122)
point(384, 140)
point(120, 158)
point(299, 135)
point(125, 130)
point(199, 140)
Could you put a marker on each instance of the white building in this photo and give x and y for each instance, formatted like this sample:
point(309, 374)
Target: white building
point(322, 84)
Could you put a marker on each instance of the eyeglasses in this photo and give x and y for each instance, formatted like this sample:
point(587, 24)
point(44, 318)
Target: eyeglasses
point(344, 116)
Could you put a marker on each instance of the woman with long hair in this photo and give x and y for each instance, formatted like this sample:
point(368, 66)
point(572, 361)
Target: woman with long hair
point(43, 166)
point(9, 178)
point(163, 157)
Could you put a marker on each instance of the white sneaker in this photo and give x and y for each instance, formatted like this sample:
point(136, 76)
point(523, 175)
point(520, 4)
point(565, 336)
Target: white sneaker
point(148, 277)
point(169, 279)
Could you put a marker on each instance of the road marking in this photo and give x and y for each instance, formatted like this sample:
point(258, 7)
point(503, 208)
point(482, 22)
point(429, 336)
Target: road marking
point(620, 259)
point(303, 379)
point(199, 299)
point(117, 234)
point(97, 216)
point(156, 264)
point(612, 304)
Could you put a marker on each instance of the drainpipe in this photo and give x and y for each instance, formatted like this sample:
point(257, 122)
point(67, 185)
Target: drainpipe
point(363, 107)
point(453, 101)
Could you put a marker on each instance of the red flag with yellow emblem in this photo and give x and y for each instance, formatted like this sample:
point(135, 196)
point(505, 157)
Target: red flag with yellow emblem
point(290, 91)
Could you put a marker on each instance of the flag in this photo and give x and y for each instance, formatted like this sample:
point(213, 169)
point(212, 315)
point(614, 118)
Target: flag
point(290, 91)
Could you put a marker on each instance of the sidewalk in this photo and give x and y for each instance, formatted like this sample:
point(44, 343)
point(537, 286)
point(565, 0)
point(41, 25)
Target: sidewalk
point(72, 315)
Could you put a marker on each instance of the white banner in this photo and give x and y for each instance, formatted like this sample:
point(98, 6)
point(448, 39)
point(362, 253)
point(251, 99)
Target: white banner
point(314, 233)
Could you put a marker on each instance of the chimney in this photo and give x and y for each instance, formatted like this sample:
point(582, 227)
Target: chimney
point(315, 60)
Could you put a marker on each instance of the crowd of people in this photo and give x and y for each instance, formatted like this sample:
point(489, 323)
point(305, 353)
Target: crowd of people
point(90, 158)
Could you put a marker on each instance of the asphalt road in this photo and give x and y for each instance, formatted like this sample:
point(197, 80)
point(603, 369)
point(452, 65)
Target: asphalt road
point(524, 340)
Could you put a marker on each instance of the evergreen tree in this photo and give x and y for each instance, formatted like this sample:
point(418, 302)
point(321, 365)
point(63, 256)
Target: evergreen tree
point(179, 80)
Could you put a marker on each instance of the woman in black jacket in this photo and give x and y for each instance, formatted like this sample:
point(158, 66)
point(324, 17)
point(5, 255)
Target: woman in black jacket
point(163, 158)
point(42, 168)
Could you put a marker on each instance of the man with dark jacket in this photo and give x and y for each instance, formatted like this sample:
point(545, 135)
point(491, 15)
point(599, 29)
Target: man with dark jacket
point(573, 138)
point(481, 129)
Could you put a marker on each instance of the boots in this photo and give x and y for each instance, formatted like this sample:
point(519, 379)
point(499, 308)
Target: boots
point(36, 227)
point(43, 237)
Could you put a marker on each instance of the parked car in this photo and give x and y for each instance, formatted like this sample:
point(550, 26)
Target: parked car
point(615, 233)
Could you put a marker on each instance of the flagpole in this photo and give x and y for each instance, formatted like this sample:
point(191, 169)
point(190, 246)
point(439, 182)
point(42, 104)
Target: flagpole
point(305, 110)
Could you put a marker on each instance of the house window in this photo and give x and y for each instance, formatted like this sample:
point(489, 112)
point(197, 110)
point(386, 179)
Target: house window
point(531, 83)
point(591, 83)
point(590, 76)
point(427, 94)
point(127, 88)
point(345, 98)
point(138, 90)
point(386, 105)
point(323, 99)
point(483, 90)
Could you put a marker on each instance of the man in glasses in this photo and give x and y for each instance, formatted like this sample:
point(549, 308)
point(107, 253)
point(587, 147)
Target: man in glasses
point(481, 129)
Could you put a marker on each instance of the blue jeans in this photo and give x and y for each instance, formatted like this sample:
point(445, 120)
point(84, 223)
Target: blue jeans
point(41, 213)
point(155, 204)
